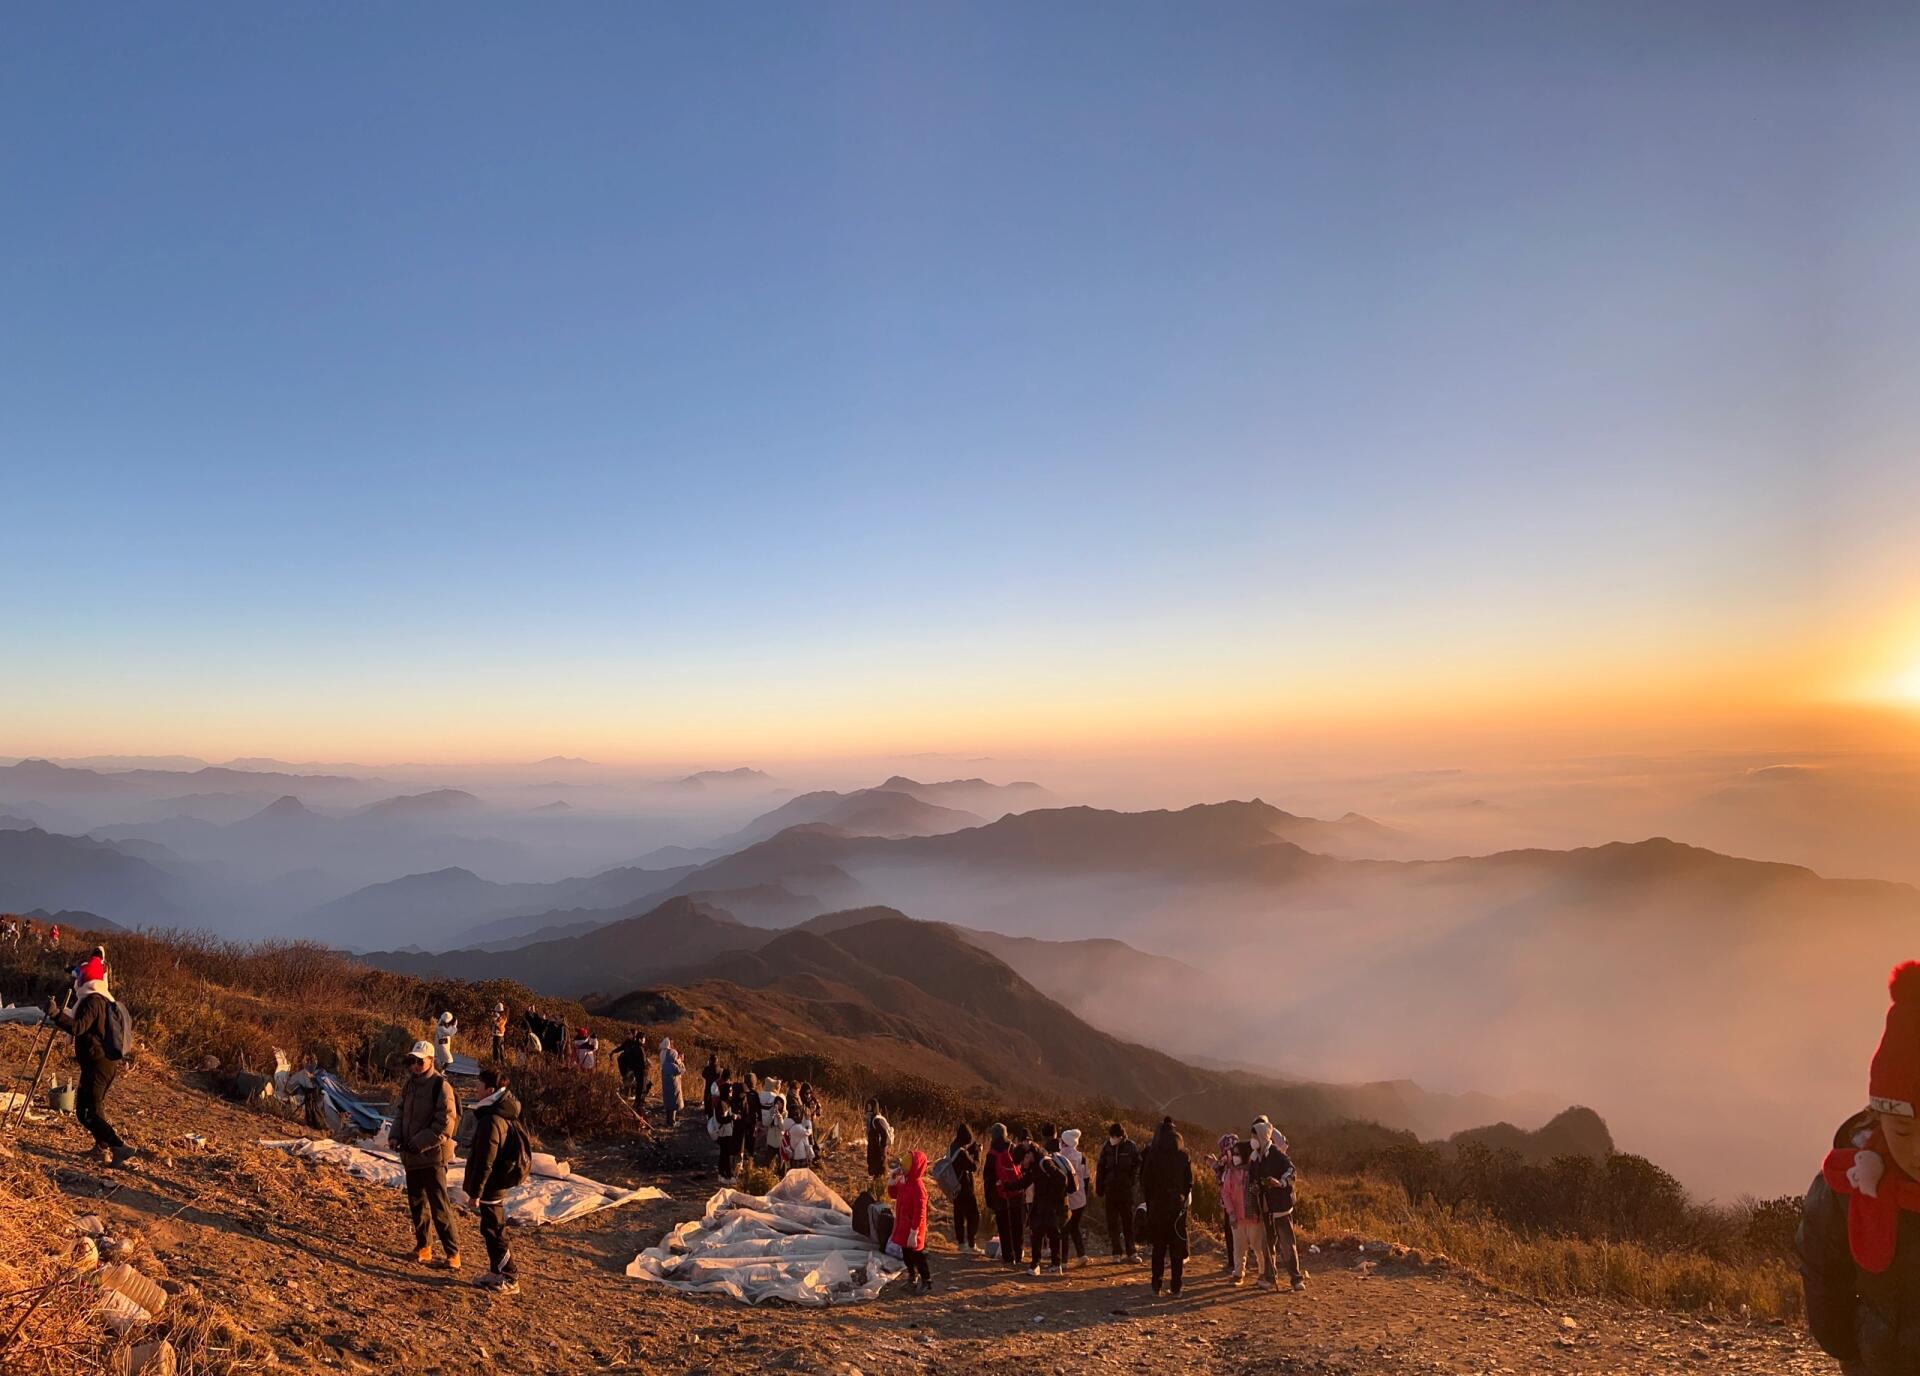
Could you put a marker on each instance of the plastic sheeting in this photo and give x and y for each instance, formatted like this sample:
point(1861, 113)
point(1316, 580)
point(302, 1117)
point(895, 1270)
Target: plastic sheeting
point(540, 1200)
point(795, 1243)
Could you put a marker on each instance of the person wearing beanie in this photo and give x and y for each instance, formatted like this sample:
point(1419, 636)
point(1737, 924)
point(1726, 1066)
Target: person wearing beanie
point(1273, 1177)
point(1859, 1248)
point(1074, 1163)
point(1113, 1182)
point(424, 1120)
point(89, 1011)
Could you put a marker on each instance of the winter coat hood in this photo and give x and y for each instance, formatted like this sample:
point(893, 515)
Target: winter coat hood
point(916, 1165)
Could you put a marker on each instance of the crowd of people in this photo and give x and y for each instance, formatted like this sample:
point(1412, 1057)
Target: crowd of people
point(758, 1121)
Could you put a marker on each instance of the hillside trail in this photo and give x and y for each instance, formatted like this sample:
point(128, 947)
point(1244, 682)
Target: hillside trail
point(318, 1267)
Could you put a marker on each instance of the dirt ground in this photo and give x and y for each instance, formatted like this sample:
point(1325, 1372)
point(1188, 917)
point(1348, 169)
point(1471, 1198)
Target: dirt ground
point(319, 1267)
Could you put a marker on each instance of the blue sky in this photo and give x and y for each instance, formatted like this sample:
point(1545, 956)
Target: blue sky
point(734, 370)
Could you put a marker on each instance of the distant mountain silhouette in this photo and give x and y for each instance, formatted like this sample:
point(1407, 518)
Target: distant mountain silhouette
point(867, 812)
point(1572, 1132)
point(437, 803)
point(41, 870)
point(972, 795)
point(742, 775)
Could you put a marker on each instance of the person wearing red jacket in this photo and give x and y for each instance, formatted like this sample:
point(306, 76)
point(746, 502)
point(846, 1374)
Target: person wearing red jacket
point(908, 1190)
point(1006, 1193)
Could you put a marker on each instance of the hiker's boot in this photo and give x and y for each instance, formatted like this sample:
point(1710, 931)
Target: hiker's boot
point(122, 1156)
point(452, 1262)
point(423, 1255)
point(1299, 1284)
point(507, 1286)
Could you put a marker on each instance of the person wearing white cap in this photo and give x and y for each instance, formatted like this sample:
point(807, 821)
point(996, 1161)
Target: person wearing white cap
point(424, 1120)
point(443, 1031)
point(499, 1034)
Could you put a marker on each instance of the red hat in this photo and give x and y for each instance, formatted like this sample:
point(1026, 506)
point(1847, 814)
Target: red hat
point(1893, 1086)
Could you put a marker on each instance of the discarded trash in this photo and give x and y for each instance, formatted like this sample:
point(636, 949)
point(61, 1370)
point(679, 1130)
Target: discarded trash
point(91, 1225)
point(191, 1139)
point(83, 1255)
point(145, 1359)
point(122, 1279)
point(61, 1099)
point(119, 1313)
point(545, 1163)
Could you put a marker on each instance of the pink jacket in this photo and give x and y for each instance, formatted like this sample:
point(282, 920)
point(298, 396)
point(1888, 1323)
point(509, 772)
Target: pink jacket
point(1233, 1194)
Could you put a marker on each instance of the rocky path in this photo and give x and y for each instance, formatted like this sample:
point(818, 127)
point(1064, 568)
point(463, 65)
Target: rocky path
point(316, 1268)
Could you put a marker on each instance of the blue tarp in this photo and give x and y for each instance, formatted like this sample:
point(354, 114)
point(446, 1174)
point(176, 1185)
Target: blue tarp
point(363, 1116)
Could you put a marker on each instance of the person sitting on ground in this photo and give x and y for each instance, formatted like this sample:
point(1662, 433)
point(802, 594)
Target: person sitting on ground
point(496, 1162)
point(672, 1067)
point(908, 1190)
point(1273, 1173)
point(1240, 1206)
point(1166, 1181)
point(964, 1156)
point(443, 1032)
point(879, 1140)
point(586, 1047)
point(90, 1009)
point(1118, 1169)
point(499, 1033)
point(424, 1120)
point(1858, 1241)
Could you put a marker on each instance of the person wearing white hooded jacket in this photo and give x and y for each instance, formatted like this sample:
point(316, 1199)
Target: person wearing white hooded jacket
point(1075, 1164)
point(443, 1034)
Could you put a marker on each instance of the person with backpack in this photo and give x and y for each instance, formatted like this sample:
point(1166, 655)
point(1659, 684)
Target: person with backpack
point(1047, 1206)
point(796, 1139)
point(102, 1035)
point(1166, 1182)
point(1074, 1163)
point(879, 1141)
point(908, 1190)
point(586, 1047)
point(499, 1159)
point(1273, 1176)
point(1119, 1168)
point(963, 1161)
point(424, 1120)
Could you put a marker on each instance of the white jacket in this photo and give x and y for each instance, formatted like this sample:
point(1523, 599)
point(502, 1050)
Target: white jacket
point(1070, 1149)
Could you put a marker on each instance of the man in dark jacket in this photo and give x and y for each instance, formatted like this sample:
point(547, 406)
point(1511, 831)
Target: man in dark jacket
point(1113, 1181)
point(631, 1058)
point(86, 1019)
point(1273, 1177)
point(879, 1140)
point(494, 1166)
point(1859, 1239)
point(424, 1121)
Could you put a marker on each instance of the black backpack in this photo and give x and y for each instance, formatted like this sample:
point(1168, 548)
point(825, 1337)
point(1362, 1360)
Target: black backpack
point(116, 1032)
point(516, 1158)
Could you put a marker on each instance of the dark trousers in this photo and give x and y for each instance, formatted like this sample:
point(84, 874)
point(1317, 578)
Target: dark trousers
point(499, 1049)
point(916, 1265)
point(89, 1104)
point(1072, 1237)
point(427, 1202)
point(1049, 1235)
point(493, 1232)
point(1120, 1223)
point(1010, 1214)
point(1226, 1226)
point(966, 1218)
point(1163, 1253)
point(1281, 1248)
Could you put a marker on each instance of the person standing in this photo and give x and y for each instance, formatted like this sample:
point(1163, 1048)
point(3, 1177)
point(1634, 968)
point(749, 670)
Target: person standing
point(499, 1034)
point(496, 1162)
point(1006, 1194)
point(1118, 1171)
point(1048, 1194)
point(724, 1130)
point(586, 1048)
point(672, 1068)
point(443, 1032)
point(1074, 1163)
point(1274, 1176)
point(631, 1058)
point(908, 1190)
point(879, 1140)
point(1223, 1161)
point(1240, 1205)
point(99, 1030)
point(424, 1121)
point(964, 1157)
point(1166, 1182)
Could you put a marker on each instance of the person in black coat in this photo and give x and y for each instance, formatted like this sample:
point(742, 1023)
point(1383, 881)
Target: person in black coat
point(965, 1157)
point(87, 1021)
point(1166, 1183)
point(491, 1171)
point(879, 1140)
point(1114, 1178)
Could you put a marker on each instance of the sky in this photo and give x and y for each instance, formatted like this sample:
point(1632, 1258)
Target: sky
point(439, 382)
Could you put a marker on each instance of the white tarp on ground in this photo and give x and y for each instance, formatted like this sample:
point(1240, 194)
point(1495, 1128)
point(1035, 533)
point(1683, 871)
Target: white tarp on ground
point(542, 1199)
point(795, 1243)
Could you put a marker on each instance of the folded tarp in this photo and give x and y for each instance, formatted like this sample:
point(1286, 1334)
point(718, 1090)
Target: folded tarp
point(336, 1096)
point(542, 1199)
point(34, 1016)
point(795, 1243)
